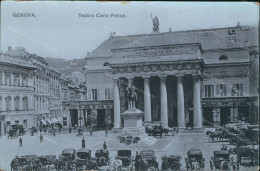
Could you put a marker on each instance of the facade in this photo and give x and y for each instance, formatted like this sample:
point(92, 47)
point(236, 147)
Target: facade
point(30, 90)
point(199, 77)
point(16, 90)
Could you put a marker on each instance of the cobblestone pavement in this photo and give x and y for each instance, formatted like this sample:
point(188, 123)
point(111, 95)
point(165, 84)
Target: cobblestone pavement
point(178, 145)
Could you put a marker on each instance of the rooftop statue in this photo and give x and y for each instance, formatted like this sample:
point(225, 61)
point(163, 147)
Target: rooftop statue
point(131, 97)
point(155, 24)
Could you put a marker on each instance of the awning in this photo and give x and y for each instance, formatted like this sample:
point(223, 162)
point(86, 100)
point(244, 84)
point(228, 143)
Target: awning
point(60, 119)
point(55, 120)
point(49, 121)
point(44, 122)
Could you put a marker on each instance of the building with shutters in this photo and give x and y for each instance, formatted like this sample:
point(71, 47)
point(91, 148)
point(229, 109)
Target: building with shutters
point(30, 90)
point(16, 90)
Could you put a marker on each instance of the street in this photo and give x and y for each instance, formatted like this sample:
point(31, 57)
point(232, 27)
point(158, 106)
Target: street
point(178, 145)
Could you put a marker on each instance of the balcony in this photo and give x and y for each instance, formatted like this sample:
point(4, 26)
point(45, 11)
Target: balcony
point(17, 112)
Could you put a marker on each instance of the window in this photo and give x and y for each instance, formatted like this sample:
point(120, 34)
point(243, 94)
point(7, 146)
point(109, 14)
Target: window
point(16, 102)
point(16, 123)
point(221, 90)
point(25, 123)
point(25, 103)
point(223, 57)
point(25, 81)
point(16, 79)
point(107, 94)
point(8, 103)
point(238, 89)
point(94, 94)
point(209, 91)
point(64, 121)
point(7, 78)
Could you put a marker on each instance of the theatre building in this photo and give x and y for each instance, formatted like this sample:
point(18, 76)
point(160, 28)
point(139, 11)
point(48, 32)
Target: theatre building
point(199, 77)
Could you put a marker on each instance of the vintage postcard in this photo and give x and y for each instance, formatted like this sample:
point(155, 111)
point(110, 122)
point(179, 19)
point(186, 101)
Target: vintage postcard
point(129, 86)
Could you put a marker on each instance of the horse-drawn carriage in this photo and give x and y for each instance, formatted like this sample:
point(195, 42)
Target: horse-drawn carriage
point(84, 160)
point(33, 130)
point(154, 130)
point(148, 160)
point(47, 162)
point(249, 155)
point(221, 160)
point(171, 162)
point(126, 160)
point(194, 160)
point(102, 157)
point(19, 163)
point(12, 133)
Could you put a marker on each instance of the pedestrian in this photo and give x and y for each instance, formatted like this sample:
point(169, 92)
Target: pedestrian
point(70, 130)
point(83, 143)
point(104, 145)
point(41, 138)
point(106, 131)
point(91, 130)
point(137, 161)
point(20, 142)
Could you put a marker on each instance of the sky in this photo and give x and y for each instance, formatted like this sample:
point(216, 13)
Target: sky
point(57, 31)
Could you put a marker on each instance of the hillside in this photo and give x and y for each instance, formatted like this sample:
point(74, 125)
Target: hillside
point(67, 66)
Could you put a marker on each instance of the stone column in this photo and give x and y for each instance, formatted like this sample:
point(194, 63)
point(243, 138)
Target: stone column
point(164, 105)
point(12, 78)
point(12, 102)
point(197, 102)
point(20, 79)
point(147, 100)
point(117, 119)
point(3, 77)
point(180, 102)
point(3, 102)
point(20, 102)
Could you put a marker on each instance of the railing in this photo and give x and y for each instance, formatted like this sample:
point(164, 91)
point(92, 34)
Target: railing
point(17, 111)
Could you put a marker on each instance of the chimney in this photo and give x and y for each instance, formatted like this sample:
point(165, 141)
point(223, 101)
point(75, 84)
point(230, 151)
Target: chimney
point(246, 43)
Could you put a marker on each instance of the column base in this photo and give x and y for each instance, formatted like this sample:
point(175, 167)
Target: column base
point(115, 130)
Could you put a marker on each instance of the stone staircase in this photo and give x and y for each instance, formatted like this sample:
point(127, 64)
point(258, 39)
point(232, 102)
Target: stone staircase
point(191, 131)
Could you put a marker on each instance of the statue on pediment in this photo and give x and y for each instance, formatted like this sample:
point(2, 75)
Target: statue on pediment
point(155, 24)
point(131, 97)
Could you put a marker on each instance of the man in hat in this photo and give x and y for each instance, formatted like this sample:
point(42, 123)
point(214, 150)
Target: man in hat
point(83, 143)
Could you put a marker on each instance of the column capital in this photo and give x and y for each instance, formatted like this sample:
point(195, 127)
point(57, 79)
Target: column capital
point(130, 77)
point(146, 77)
point(196, 77)
point(179, 77)
point(163, 78)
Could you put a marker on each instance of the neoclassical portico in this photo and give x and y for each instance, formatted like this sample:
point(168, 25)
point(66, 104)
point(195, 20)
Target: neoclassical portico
point(145, 72)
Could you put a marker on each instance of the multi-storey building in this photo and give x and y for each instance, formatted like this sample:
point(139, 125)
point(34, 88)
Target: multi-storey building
point(30, 90)
point(205, 77)
point(16, 89)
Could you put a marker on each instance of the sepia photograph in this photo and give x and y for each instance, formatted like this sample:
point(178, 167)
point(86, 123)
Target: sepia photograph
point(134, 86)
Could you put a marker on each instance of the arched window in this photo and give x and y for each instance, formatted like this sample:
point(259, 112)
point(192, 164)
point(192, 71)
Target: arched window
point(8, 103)
point(16, 102)
point(106, 64)
point(25, 103)
point(223, 57)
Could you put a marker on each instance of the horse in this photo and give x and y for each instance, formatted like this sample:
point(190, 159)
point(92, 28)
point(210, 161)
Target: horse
point(224, 165)
point(195, 165)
